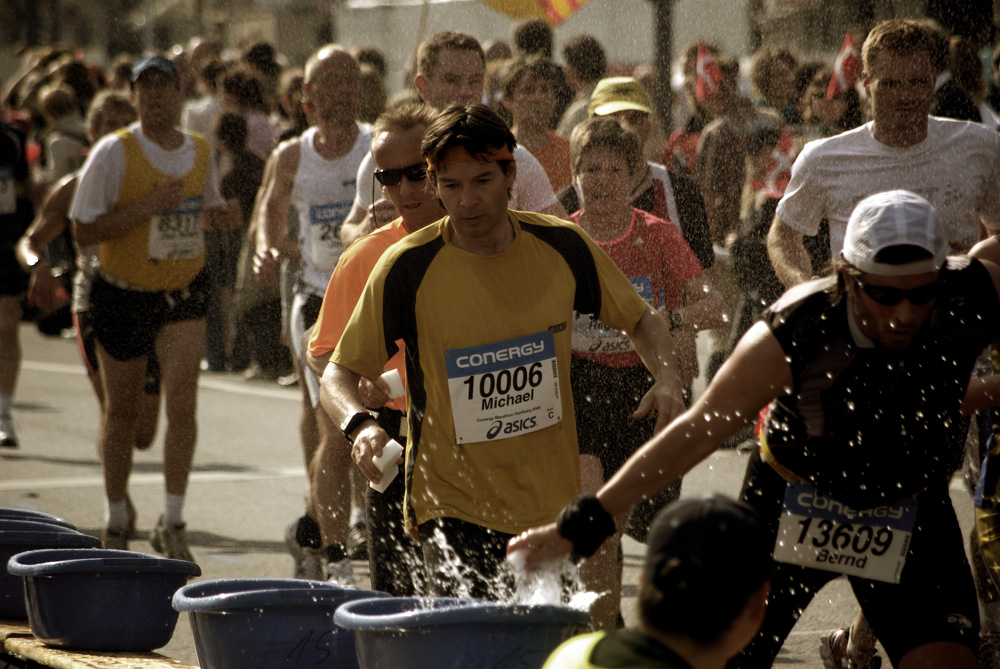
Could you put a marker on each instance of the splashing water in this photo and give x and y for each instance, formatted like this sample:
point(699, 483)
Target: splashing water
point(550, 584)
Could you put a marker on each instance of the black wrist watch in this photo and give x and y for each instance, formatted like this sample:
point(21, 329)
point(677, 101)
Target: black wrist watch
point(676, 319)
point(353, 422)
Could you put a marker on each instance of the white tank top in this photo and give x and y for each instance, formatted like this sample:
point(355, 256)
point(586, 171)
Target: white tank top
point(322, 194)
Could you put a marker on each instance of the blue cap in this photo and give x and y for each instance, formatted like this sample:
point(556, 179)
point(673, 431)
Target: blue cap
point(156, 62)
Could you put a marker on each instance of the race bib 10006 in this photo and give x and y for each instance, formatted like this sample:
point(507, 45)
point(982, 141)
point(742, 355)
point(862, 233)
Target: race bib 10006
point(819, 532)
point(504, 389)
point(177, 234)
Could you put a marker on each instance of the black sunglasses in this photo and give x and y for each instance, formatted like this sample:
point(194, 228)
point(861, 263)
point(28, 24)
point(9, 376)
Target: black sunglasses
point(391, 177)
point(893, 296)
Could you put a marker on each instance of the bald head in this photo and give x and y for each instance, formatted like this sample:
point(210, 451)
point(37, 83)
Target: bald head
point(331, 87)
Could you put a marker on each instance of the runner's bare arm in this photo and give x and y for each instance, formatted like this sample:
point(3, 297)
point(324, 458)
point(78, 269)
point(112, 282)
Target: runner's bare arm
point(355, 225)
point(273, 212)
point(754, 374)
point(48, 225)
point(653, 342)
point(788, 254)
point(166, 195)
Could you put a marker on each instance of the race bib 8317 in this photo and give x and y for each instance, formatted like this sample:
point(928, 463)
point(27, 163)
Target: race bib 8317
point(177, 234)
point(504, 389)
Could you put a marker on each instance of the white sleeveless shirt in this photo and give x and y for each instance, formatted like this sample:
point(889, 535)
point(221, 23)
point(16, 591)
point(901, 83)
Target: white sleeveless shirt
point(322, 194)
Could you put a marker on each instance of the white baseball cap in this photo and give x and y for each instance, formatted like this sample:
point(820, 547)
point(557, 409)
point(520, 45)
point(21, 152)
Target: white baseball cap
point(894, 218)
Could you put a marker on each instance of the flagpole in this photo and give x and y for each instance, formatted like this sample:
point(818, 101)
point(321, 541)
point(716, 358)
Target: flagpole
point(663, 39)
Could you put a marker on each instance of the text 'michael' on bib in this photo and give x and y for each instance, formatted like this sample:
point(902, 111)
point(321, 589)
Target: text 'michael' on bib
point(504, 389)
point(819, 532)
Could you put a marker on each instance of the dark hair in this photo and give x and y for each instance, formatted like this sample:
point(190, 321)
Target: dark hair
point(231, 130)
point(532, 37)
point(57, 100)
point(476, 128)
point(371, 55)
point(121, 66)
point(853, 115)
point(898, 35)
point(515, 70)
point(210, 73)
point(585, 54)
point(890, 255)
point(431, 48)
point(966, 68)
point(604, 132)
point(108, 102)
point(730, 69)
point(246, 88)
point(262, 57)
point(763, 64)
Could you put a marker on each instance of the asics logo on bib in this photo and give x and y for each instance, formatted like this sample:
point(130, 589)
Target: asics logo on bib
point(502, 355)
point(816, 501)
point(510, 427)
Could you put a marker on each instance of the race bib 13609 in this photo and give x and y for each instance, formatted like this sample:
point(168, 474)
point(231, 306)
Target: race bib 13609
point(819, 532)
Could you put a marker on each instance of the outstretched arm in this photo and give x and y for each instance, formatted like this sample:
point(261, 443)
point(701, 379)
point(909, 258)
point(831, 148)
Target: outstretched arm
point(754, 374)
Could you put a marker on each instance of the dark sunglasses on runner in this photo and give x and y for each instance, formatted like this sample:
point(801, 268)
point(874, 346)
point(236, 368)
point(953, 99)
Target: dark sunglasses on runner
point(391, 177)
point(893, 296)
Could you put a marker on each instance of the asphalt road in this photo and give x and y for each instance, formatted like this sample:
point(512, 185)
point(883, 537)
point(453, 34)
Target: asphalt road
point(248, 482)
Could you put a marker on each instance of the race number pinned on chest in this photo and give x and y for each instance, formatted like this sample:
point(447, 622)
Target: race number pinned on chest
point(177, 234)
point(820, 532)
point(504, 389)
point(8, 194)
point(324, 233)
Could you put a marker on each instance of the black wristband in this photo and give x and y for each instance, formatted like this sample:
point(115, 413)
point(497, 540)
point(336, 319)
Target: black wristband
point(586, 524)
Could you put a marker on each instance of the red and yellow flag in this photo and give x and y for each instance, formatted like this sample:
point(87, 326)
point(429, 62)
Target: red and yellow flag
point(554, 12)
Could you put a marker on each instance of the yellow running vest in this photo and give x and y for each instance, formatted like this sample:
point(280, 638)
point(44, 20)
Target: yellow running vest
point(127, 258)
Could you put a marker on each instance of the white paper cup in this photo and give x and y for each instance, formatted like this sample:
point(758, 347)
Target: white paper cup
point(395, 384)
point(386, 464)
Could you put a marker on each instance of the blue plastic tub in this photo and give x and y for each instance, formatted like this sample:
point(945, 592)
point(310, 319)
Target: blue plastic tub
point(267, 623)
point(34, 516)
point(18, 536)
point(401, 632)
point(100, 599)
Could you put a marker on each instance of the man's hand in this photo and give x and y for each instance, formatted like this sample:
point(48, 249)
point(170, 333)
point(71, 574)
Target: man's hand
point(44, 290)
point(368, 444)
point(541, 546)
point(266, 264)
point(666, 398)
point(167, 195)
point(227, 217)
point(373, 395)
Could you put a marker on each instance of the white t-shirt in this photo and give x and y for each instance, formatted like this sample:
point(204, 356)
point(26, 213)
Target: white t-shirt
point(532, 190)
point(322, 194)
point(956, 168)
point(102, 176)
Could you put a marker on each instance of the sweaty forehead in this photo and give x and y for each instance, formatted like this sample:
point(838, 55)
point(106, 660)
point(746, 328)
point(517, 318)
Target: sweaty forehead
point(398, 148)
point(458, 62)
point(899, 64)
point(334, 65)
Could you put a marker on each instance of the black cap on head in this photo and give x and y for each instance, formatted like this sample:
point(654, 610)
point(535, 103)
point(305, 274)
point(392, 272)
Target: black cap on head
point(709, 551)
point(156, 62)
